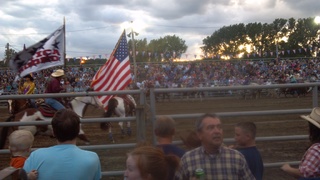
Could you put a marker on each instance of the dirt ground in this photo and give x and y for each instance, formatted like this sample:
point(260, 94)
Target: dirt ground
point(271, 125)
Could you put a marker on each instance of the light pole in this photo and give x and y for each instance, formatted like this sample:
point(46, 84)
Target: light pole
point(131, 34)
point(317, 21)
point(277, 53)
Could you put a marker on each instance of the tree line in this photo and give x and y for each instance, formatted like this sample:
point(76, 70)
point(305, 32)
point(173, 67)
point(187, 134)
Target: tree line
point(286, 34)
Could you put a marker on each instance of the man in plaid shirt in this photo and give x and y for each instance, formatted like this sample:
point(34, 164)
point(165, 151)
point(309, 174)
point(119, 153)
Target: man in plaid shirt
point(217, 160)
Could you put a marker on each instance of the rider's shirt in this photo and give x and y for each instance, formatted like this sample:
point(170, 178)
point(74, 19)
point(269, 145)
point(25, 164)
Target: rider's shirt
point(28, 88)
point(54, 86)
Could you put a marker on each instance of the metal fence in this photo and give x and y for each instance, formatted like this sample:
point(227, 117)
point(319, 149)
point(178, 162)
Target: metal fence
point(142, 106)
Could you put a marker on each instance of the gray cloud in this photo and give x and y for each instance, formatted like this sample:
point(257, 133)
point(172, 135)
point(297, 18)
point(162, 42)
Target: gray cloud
point(93, 27)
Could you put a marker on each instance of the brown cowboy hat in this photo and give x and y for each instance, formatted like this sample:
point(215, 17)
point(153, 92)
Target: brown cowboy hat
point(314, 117)
point(58, 73)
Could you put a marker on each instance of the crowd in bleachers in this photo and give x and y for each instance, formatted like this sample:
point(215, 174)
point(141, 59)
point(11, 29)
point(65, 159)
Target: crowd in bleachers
point(185, 74)
point(226, 73)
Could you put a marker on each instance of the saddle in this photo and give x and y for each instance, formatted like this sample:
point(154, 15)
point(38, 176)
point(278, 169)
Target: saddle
point(45, 109)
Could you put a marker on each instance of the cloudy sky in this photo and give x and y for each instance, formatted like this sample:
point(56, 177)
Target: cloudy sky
point(94, 26)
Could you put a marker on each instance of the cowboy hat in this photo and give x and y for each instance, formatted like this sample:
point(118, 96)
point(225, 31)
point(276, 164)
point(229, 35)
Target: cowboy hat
point(28, 76)
point(58, 73)
point(314, 117)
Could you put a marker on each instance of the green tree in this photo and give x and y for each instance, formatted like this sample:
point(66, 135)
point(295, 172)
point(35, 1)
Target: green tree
point(8, 54)
point(166, 46)
point(282, 33)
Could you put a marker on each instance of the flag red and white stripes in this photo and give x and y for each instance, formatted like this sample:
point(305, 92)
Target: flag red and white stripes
point(115, 74)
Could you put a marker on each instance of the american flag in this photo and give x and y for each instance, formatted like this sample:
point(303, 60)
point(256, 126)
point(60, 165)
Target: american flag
point(115, 74)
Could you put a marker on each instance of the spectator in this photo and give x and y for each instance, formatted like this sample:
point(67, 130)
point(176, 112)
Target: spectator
point(216, 160)
point(64, 160)
point(148, 162)
point(54, 86)
point(309, 166)
point(165, 130)
point(245, 134)
point(20, 143)
point(293, 79)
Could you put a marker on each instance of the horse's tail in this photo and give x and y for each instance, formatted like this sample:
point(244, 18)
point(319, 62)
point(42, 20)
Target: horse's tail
point(112, 105)
point(4, 132)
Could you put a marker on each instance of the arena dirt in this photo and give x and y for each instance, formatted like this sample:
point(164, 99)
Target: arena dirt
point(275, 151)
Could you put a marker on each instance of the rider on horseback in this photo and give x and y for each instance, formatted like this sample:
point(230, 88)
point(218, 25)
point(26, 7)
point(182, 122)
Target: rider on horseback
point(28, 87)
point(54, 86)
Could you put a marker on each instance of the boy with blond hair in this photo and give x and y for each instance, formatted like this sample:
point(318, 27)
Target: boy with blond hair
point(20, 143)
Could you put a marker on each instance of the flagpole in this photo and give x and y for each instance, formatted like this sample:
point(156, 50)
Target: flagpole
point(133, 54)
point(64, 42)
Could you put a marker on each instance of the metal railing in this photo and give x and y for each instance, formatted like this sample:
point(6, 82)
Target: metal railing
point(140, 111)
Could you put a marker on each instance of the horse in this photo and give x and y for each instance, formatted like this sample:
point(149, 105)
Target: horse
point(44, 113)
point(191, 94)
point(253, 93)
point(293, 90)
point(120, 106)
point(125, 107)
point(16, 105)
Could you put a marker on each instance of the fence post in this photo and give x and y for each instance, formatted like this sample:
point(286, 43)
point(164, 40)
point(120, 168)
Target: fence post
point(140, 115)
point(153, 112)
point(315, 96)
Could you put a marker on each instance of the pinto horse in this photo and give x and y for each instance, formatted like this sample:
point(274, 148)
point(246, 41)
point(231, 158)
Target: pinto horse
point(16, 105)
point(120, 106)
point(44, 113)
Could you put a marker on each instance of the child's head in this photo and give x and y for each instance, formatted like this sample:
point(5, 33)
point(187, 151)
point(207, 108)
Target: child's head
point(20, 142)
point(245, 133)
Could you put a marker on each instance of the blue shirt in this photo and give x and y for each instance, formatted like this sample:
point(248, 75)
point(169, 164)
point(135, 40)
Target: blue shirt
point(65, 161)
point(254, 161)
point(171, 149)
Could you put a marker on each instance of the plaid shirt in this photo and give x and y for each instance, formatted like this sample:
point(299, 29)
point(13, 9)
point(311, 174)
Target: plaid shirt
point(310, 163)
point(225, 165)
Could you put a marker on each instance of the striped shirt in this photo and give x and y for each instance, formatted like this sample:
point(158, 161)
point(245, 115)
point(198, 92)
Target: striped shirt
point(228, 164)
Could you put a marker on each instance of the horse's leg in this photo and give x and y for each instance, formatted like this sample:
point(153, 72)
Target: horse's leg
point(121, 127)
point(83, 137)
point(129, 131)
point(110, 133)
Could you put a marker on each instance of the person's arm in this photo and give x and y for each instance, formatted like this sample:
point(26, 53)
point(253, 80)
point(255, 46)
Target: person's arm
point(291, 171)
point(33, 175)
point(21, 89)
